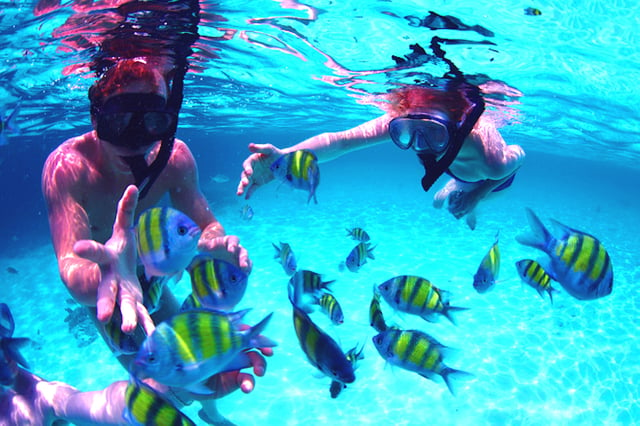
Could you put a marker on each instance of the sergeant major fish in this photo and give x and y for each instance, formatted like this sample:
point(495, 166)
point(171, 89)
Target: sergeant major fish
point(579, 262)
point(358, 234)
point(330, 306)
point(415, 351)
point(215, 283)
point(321, 350)
point(286, 258)
point(304, 286)
point(146, 407)
point(167, 241)
point(416, 295)
point(532, 273)
point(191, 346)
point(376, 319)
point(358, 256)
point(300, 170)
point(354, 356)
point(487, 274)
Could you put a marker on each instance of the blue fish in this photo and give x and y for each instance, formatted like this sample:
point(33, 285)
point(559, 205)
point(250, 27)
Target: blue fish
point(353, 356)
point(330, 306)
point(579, 261)
point(487, 274)
point(191, 346)
point(215, 284)
point(305, 287)
point(167, 241)
point(10, 347)
point(152, 289)
point(286, 258)
point(321, 350)
point(120, 342)
point(246, 212)
point(358, 256)
point(300, 170)
point(8, 125)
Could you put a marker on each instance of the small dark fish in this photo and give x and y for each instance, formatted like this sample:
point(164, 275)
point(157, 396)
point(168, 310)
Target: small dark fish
point(376, 319)
point(579, 261)
point(10, 347)
point(120, 342)
point(532, 11)
point(321, 350)
point(358, 234)
point(330, 306)
point(246, 212)
point(12, 270)
point(286, 258)
point(533, 274)
point(358, 256)
point(304, 286)
point(433, 21)
point(487, 274)
point(8, 125)
point(353, 356)
point(152, 288)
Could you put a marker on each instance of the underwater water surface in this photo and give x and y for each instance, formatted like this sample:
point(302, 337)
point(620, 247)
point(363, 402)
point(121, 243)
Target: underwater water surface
point(308, 70)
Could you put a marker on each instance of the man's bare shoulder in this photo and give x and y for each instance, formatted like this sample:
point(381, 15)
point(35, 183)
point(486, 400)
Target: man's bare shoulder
point(71, 159)
point(181, 156)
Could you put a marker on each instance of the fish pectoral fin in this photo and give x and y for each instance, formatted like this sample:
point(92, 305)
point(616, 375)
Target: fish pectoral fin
point(200, 388)
point(238, 362)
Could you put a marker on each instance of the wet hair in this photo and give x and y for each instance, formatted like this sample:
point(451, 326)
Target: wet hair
point(404, 100)
point(125, 72)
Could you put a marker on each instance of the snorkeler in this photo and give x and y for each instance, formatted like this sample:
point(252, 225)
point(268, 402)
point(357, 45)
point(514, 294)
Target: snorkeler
point(444, 126)
point(134, 112)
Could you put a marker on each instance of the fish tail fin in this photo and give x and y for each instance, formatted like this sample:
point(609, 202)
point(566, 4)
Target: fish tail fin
point(12, 346)
point(448, 311)
point(551, 291)
point(451, 373)
point(256, 339)
point(10, 123)
point(370, 252)
point(277, 255)
point(539, 236)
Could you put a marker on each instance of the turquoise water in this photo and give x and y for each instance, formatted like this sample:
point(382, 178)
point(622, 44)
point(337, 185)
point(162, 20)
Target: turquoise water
point(532, 362)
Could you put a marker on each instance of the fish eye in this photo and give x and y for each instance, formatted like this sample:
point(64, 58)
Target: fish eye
point(151, 358)
point(182, 230)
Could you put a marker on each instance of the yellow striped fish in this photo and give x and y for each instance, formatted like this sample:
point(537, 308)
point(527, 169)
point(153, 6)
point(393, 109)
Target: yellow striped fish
point(415, 351)
point(358, 256)
point(300, 170)
point(321, 350)
point(120, 342)
point(286, 258)
point(146, 407)
point(167, 241)
point(358, 234)
point(579, 262)
point(376, 319)
point(304, 286)
point(330, 306)
point(353, 356)
point(191, 346)
point(532, 273)
point(416, 295)
point(215, 283)
point(487, 274)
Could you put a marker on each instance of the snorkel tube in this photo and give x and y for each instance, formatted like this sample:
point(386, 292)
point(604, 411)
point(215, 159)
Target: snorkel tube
point(145, 175)
point(469, 113)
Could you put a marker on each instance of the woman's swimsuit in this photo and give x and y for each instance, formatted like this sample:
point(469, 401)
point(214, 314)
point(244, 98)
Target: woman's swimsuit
point(504, 185)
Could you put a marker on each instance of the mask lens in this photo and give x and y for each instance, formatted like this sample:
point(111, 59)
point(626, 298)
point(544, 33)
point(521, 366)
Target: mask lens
point(401, 132)
point(432, 136)
point(157, 123)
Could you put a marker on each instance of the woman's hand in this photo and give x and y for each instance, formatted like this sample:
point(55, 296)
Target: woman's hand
point(257, 168)
point(117, 260)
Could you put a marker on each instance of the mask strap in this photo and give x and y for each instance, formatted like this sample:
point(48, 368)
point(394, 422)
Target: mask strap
point(145, 175)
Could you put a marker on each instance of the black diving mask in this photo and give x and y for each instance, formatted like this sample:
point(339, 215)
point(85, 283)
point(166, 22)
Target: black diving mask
point(135, 120)
point(425, 133)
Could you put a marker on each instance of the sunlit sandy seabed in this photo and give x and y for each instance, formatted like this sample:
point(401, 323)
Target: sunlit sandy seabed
point(532, 362)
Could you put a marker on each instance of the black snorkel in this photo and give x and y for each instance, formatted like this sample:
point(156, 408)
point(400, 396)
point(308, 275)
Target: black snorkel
point(146, 174)
point(455, 82)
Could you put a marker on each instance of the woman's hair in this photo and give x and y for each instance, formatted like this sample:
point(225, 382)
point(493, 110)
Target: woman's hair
point(408, 99)
point(124, 73)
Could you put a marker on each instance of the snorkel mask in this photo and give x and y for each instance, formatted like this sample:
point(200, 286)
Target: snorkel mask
point(437, 135)
point(425, 132)
point(137, 120)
